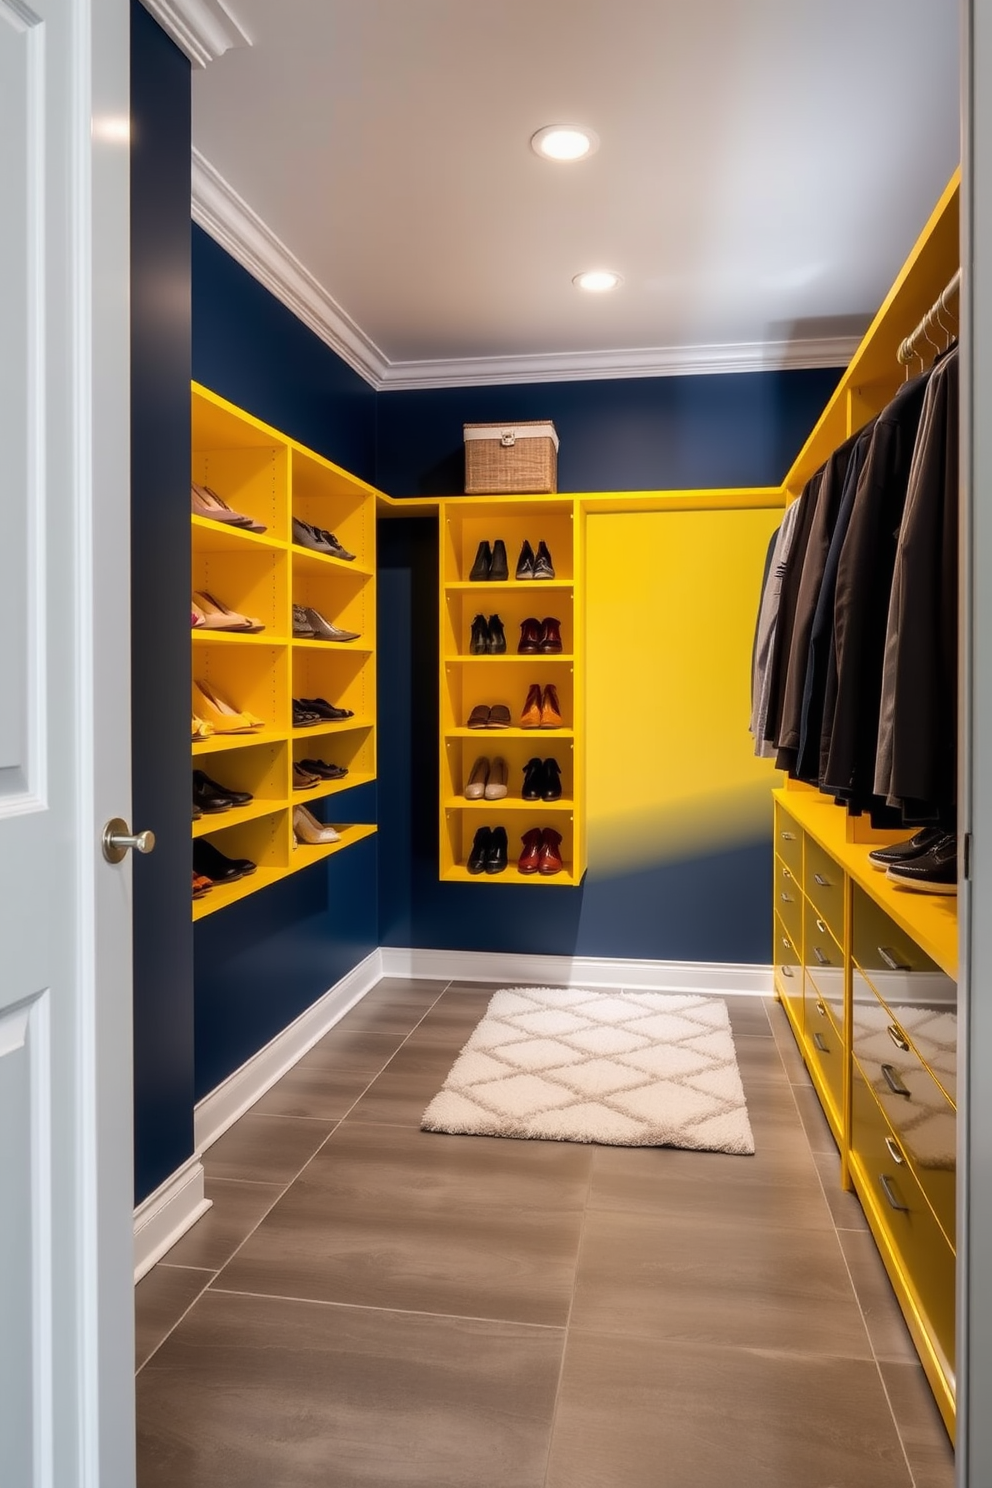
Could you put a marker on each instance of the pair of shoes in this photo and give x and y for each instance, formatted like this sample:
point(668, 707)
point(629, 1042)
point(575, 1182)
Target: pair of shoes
point(542, 852)
point(306, 828)
point(933, 869)
point(209, 796)
point(540, 637)
point(224, 719)
point(210, 863)
point(483, 716)
point(490, 566)
point(541, 709)
point(531, 565)
point(310, 772)
point(901, 852)
point(542, 780)
point(307, 711)
point(309, 624)
point(206, 503)
point(488, 636)
point(318, 540)
point(490, 851)
point(201, 885)
point(209, 614)
point(201, 729)
point(487, 780)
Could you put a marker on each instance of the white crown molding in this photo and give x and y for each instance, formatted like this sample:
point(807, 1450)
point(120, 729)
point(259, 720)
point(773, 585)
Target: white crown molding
point(221, 212)
point(203, 29)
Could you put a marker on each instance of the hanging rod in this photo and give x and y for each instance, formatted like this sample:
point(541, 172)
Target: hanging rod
point(907, 349)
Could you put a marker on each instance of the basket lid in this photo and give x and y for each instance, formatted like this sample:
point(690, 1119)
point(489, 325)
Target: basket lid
point(509, 433)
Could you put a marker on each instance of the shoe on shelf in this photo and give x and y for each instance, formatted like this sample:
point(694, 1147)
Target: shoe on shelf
point(304, 717)
point(551, 784)
point(497, 851)
point(531, 715)
point(499, 716)
point(496, 637)
point(550, 642)
point(475, 787)
point(323, 630)
point(207, 794)
point(196, 618)
point(550, 856)
point(932, 872)
point(323, 709)
point(901, 852)
point(212, 615)
point(302, 629)
point(525, 563)
point(550, 711)
point(201, 885)
point(323, 770)
point(318, 540)
point(530, 637)
point(530, 859)
point(479, 572)
point(499, 568)
point(480, 851)
point(533, 787)
point(201, 729)
point(304, 779)
point(206, 503)
point(479, 716)
point(219, 713)
point(213, 864)
point(306, 828)
point(543, 567)
point(479, 643)
point(197, 813)
point(496, 786)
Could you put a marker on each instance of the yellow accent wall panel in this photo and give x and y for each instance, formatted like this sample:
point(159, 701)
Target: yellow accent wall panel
point(670, 607)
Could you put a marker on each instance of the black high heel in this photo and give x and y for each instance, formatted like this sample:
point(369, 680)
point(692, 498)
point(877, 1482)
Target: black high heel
point(480, 851)
point(483, 563)
point(551, 785)
point(497, 636)
point(479, 644)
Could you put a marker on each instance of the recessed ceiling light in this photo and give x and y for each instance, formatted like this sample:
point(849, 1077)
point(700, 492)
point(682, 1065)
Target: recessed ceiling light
point(565, 142)
point(597, 281)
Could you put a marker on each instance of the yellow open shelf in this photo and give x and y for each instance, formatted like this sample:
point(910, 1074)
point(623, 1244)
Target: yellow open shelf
point(272, 478)
point(508, 803)
point(458, 873)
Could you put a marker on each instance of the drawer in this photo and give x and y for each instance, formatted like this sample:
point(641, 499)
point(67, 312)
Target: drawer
point(788, 974)
point(923, 1120)
point(926, 1259)
point(921, 997)
point(788, 840)
point(825, 1053)
point(824, 963)
point(789, 901)
point(823, 885)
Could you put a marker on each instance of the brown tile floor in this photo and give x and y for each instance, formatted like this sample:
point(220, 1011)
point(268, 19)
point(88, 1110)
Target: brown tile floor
point(369, 1306)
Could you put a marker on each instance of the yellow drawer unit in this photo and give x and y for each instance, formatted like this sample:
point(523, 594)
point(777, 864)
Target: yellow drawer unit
point(789, 840)
point(824, 963)
point(823, 885)
point(825, 1056)
point(923, 1120)
point(789, 901)
point(788, 975)
point(918, 1256)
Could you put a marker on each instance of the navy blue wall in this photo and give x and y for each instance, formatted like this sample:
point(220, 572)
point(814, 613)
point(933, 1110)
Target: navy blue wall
point(160, 672)
point(635, 434)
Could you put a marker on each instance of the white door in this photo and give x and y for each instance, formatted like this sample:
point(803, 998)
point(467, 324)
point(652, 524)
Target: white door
point(66, 1363)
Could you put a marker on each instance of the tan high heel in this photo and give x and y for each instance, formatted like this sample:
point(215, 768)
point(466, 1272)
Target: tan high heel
point(224, 719)
point(306, 828)
point(213, 615)
point(206, 503)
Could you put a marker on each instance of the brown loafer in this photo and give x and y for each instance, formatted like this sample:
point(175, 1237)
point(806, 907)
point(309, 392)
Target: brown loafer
point(499, 716)
point(479, 717)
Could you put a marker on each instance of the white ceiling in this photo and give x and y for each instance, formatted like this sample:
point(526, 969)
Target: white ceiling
point(765, 167)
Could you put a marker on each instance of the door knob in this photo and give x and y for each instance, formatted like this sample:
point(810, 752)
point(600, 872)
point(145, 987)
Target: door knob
point(118, 839)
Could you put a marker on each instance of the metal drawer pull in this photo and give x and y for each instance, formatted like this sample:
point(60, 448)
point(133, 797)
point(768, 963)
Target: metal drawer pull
point(818, 1041)
point(823, 960)
point(891, 961)
point(821, 927)
point(787, 898)
point(788, 836)
point(897, 1038)
point(820, 1008)
point(823, 882)
point(894, 1151)
point(787, 971)
point(889, 1194)
point(894, 1082)
point(786, 873)
point(785, 942)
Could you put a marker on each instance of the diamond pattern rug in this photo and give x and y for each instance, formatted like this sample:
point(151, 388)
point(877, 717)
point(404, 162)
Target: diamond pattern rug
point(626, 1069)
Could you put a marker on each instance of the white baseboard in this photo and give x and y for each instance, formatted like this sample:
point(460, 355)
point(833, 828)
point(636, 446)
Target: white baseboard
point(166, 1215)
point(580, 971)
point(221, 1108)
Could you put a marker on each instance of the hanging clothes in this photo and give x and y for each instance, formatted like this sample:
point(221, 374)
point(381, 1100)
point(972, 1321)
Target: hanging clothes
point(916, 767)
point(791, 579)
point(764, 635)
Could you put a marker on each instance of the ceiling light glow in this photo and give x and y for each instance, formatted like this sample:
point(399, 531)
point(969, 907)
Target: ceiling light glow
point(597, 281)
point(565, 142)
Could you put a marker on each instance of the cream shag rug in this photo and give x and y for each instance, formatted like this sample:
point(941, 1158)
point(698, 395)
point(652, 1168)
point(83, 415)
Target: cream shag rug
point(627, 1069)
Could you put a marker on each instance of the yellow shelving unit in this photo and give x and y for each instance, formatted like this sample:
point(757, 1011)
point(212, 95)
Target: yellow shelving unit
point(467, 680)
point(268, 476)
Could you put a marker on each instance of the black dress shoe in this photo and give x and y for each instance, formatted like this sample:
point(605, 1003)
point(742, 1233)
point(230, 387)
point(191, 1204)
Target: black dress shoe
point(323, 709)
point(212, 864)
point(204, 788)
point(479, 644)
point(483, 562)
point(543, 567)
point(533, 780)
point(525, 563)
point(304, 717)
point(480, 851)
point(499, 568)
point(932, 872)
point(497, 636)
point(551, 785)
point(497, 852)
point(902, 852)
point(323, 770)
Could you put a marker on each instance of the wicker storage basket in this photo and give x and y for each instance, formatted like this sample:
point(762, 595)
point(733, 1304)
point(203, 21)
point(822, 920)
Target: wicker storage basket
point(510, 459)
